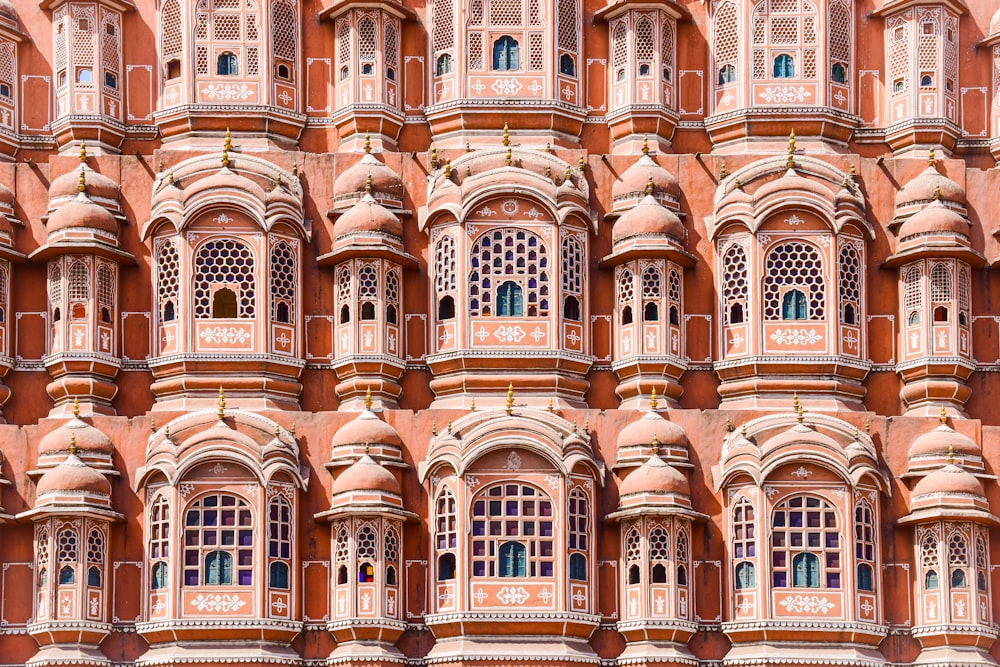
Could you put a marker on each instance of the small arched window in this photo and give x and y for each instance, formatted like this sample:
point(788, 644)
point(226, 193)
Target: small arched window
point(866, 582)
point(746, 576)
point(651, 312)
point(227, 64)
point(342, 574)
point(633, 574)
point(838, 73)
point(512, 560)
point(659, 574)
point(849, 316)
point(941, 314)
point(727, 74)
point(281, 312)
point(567, 65)
point(931, 580)
point(278, 575)
point(345, 314)
point(159, 576)
point(173, 69)
point(446, 567)
point(510, 302)
point(368, 311)
point(794, 305)
point(578, 567)
point(366, 573)
point(784, 67)
point(283, 72)
point(571, 308)
point(736, 313)
point(506, 54)
point(805, 571)
point(84, 75)
point(224, 304)
point(444, 64)
point(218, 569)
point(446, 308)
point(959, 579)
point(168, 312)
point(94, 576)
point(67, 575)
point(627, 315)
point(682, 577)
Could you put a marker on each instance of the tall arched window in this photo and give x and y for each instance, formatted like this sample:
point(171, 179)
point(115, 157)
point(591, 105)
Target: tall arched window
point(805, 544)
point(67, 554)
point(785, 37)
point(626, 296)
point(445, 276)
point(168, 280)
point(659, 555)
point(578, 544)
point(368, 291)
point(227, 64)
point(171, 39)
point(511, 257)
point(391, 556)
point(224, 265)
point(279, 541)
point(839, 40)
point(445, 534)
point(284, 29)
point(850, 284)
point(744, 541)
point(366, 551)
point(342, 553)
point(633, 555)
point(159, 542)
point(913, 297)
point(790, 267)
point(784, 67)
point(230, 30)
point(218, 541)
point(942, 292)
point(573, 265)
point(726, 42)
point(735, 287)
point(930, 561)
point(512, 521)
point(958, 559)
point(652, 294)
point(864, 545)
point(442, 13)
point(506, 54)
point(283, 275)
point(96, 557)
point(105, 293)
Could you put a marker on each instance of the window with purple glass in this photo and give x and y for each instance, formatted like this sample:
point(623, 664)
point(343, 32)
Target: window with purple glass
point(218, 542)
point(512, 532)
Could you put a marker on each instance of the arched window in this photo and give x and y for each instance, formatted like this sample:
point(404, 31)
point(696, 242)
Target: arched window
point(224, 264)
point(578, 567)
point(67, 575)
point(912, 296)
point(682, 556)
point(864, 545)
point(571, 308)
point(283, 275)
point(982, 563)
point(96, 555)
point(284, 25)
point(658, 549)
point(929, 560)
point(735, 288)
point(502, 260)
point(674, 296)
point(224, 303)
point(67, 554)
point(839, 39)
point(506, 54)
point(159, 576)
point(93, 576)
point(445, 533)
point(838, 73)
point(390, 555)
point(279, 540)
point(342, 552)
point(446, 567)
point(784, 67)
point(366, 573)
point(510, 302)
point(168, 280)
point(578, 536)
point(517, 520)
point(366, 546)
point(368, 291)
point(567, 65)
point(866, 580)
point(344, 296)
point(726, 42)
point(931, 580)
point(798, 265)
point(850, 283)
point(958, 559)
point(213, 521)
point(963, 295)
point(744, 541)
point(745, 575)
point(805, 543)
point(227, 64)
point(626, 295)
point(793, 305)
point(391, 296)
point(633, 554)
point(446, 308)
point(159, 541)
point(444, 64)
point(277, 576)
point(727, 74)
point(652, 294)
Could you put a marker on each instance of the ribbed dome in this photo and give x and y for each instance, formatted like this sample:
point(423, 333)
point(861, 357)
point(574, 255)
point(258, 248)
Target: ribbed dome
point(368, 216)
point(97, 185)
point(648, 218)
point(224, 179)
point(949, 479)
point(934, 219)
point(88, 439)
point(940, 441)
point(650, 426)
point(926, 186)
point(282, 195)
point(366, 429)
point(791, 181)
point(634, 181)
point(655, 476)
point(366, 475)
point(73, 476)
point(82, 213)
point(383, 179)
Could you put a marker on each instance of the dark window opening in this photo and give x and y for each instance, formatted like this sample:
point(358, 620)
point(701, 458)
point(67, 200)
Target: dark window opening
point(94, 576)
point(941, 314)
point(513, 557)
point(342, 574)
point(627, 315)
point(578, 567)
point(224, 304)
point(506, 54)
point(366, 573)
point(838, 73)
point(218, 568)
point(805, 567)
point(446, 308)
point(345, 314)
point(227, 64)
point(510, 302)
point(567, 65)
point(284, 72)
point(727, 74)
point(633, 574)
point(866, 580)
point(784, 67)
point(67, 575)
point(106, 315)
point(675, 318)
point(571, 308)
point(659, 575)
point(390, 576)
point(446, 567)
point(793, 305)
point(368, 311)
point(849, 315)
point(736, 313)
point(682, 577)
point(444, 64)
point(278, 575)
point(651, 312)
point(281, 312)
point(390, 314)
point(173, 69)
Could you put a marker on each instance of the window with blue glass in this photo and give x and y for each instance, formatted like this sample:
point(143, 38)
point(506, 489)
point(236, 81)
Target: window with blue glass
point(506, 54)
point(793, 305)
point(784, 67)
point(513, 532)
point(510, 301)
point(805, 544)
point(218, 542)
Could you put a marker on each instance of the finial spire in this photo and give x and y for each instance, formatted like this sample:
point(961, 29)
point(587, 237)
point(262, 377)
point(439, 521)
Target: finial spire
point(367, 448)
point(743, 430)
point(447, 169)
point(797, 408)
point(943, 417)
point(506, 135)
point(227, 145)
point(72, 444)
point(652, 400)
point(729, 425)
point(368, 144)
point(434, 158)
point(937, 193)
point(790, 162)
point(582, 163)
point(645, 146)
point(152, 423)
point(472, 404)
point(550, 404)
point(368, 399)
point(82, 186)
point(569, 173)
point(931, 160)
point(656, 445)
point(649, 185)
point(166, 431)
point(508, 158)
point(222, 403)
point(83, 151)
point(586, 425)
point(368, 184)
point(868, 426)
point(723, 172)
point(434, 427)
point(510, 398)
point(449, 427)
point(951, 454)
point(76, 407)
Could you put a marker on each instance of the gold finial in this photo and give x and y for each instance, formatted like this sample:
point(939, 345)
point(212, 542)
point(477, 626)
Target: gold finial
point(506, 135)
point(447, 169)
point(166, 431)
point(652, 400)
point(368, 399)
point(943, 417)
point(937, 193)
point(729, 425)
point(649, 186)
point(569, 173)
point(152, 423)
point(83, 151)
point(790, 162)
point(574, 426)
point(159, 165)
point(510, 398)
point(368, 184)
point(550, 404)
point(737, 185)
point(797, 408)
point(277, 430)
point(295, 169)
point(868, 426)
point(434, 427)
point(931, 160)
point(76, 407)
point(472, 405)
point(645, 145)
point(222, 403)
point(368, 144)
point(857, 434)
point(548, 146)
point(367, 448)
point(292, 429)
point(951, 454)
point(227, 146)
point(723, 172)
point(854, 172)
point(548, 171)
point(277, 181)
point(743, 430)
point(508, 158)
point(82, 187)
point(656, 445)
point(586, 425)
point(449, 426)
point(170, 177)
point(434, 158)
point(72, 444)
point(582, 163)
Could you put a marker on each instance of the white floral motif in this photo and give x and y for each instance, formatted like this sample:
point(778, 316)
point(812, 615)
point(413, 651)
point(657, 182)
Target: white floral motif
point(513, 595)
point(552, 481)
point(796, 336)
point(507, 334)
point(506, 86)
point(186, 488)
point(224, 335)
point(471, 482)
point(486, 212)
point(223, 603)
point(785, 94)
point(509, 206)
point(808, 604)
point(802, 472)
point(228, 91)
point(218, 469)
point(513, 461)
point(545, 595)
point(794, 219)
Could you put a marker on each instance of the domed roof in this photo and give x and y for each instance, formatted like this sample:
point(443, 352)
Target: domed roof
point(82, 213)
point(88, 439)
point(366, 475)
point(95, 184)
point(934, 219)
point(634, 181)
point(949, 479)
point(366, 429)
point(354, 180)
point(927, 186)
point(368, 216)
point(994, 24)
point(282, 195)
point(648, 218)
point(652, 426)
point(226, 179)
point(73, 476)
point(791, 180)
point(941, 441)
point(655, 477)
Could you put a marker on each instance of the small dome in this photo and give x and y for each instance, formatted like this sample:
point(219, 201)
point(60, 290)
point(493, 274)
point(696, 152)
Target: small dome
point(927, 186)
point(82, 213)
point(633, 182)
point(657, 477)
point(648, 218)
point(282, 195)
point(224, 179)
point(949, 479)
point(792, 181)
point(73, 476)
point(366, 429)
point(368, 216)
point(384, 181)
point(650, 426)
point(942, 440)
point(97, 185)
point(88, 439)
point(366, 475)
point(994, 24)
point(934, 219)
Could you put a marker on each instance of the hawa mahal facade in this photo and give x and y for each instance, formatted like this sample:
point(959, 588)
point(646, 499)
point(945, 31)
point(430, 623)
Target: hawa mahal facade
point(469, 333)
